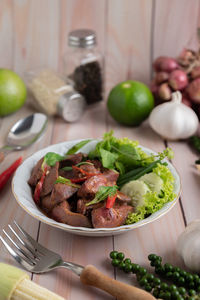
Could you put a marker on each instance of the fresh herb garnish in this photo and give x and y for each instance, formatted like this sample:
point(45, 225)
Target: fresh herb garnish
point(63, 180)
point(77, 147)
point(127, 151)
point(84, 163)
point(51, 158)
point(108, 158)
point(103, 193)
point(77, 165)
point(67, 168)
point(137, 173)
point(116, 153)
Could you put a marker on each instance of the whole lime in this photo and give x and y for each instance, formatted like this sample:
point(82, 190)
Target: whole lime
point(130, 102)
point(12, 92)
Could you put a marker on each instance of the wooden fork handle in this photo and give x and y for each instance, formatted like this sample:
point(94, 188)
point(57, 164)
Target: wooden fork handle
point(121, 291)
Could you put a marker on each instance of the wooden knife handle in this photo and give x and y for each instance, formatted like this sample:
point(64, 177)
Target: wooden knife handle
point(121, 291)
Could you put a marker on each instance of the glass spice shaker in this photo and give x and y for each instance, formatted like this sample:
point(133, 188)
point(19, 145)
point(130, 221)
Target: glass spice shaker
point(54, 96)
point(84, 64)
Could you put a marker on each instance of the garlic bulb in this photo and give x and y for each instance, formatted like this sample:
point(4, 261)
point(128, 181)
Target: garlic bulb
point(174, 120)
point(188, 245)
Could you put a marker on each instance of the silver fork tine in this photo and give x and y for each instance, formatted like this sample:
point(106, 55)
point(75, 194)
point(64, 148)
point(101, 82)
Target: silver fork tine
point(32, 251)
point(35, 244)
point(18, 248)
point(16, 256)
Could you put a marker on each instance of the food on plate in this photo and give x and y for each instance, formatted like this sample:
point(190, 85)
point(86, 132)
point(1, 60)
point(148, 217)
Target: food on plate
point(12, 92)
point(115, 183)
point(174, 120)
point(130, 102)
point(15, 284)
point(184, 284)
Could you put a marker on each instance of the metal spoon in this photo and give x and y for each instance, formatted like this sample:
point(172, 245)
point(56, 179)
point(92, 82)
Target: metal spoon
point(24, 133)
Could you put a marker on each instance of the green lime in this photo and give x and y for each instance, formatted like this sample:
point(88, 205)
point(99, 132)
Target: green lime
point(12, 92)
point(130, 102)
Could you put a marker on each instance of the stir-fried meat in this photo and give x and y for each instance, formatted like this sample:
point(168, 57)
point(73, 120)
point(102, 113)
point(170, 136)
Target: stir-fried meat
point(62, 192)
point(36, 173)
point(49, 180)
point(72, 159)
point(62, 213)
point(75, 173)
point(68, 174)
point(110, 217)
point(91, 186)
point(111, 176)
point(47, 203)
point(82, 208)
point(89, 169)
point(97, 164)
point(123, 198)
point(90, 177)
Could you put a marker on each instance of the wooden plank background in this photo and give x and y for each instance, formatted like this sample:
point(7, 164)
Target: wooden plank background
point(131, 33)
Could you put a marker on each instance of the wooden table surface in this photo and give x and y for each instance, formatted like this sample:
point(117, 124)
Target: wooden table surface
point(159, 237)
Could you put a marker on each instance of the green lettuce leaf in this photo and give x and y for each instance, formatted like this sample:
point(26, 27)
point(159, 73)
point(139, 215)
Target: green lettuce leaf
point(51, 158)
point(152, 201)
point(108, 158)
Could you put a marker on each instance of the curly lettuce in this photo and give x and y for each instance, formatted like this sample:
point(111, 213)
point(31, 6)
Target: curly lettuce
point(152, 201)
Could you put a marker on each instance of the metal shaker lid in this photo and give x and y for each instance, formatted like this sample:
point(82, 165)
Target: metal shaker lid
point(82, 38)
point(71, 106)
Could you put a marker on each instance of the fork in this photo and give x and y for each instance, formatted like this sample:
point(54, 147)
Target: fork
point(35, 258)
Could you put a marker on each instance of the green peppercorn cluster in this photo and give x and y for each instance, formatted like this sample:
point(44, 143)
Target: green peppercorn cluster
point(185, 285)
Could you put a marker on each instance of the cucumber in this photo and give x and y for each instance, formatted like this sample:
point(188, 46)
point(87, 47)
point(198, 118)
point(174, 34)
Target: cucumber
point(136, 189)
point(154, 182)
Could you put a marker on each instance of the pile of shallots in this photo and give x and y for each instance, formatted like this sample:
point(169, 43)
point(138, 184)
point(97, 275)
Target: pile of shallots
point(180, 74)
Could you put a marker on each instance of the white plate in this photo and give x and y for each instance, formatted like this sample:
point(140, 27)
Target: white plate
point(23, 195)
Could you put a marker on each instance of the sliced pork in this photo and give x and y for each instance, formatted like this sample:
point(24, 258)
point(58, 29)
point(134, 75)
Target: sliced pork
point(72, 159)
point(90, 187)
point(49, 180)
point(111, 176)
point(110, 217)
point(36, 173)
point(62, 213)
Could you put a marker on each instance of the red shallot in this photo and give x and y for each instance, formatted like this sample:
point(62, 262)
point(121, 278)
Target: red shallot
point(166, 64)
point(178, 80)
point(164, 92)
point(193, 90)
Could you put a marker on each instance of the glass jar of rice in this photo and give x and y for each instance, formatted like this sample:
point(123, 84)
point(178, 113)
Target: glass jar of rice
point(52, 95)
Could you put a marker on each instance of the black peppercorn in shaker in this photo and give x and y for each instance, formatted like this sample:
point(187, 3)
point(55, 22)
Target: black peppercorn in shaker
point(83, 64)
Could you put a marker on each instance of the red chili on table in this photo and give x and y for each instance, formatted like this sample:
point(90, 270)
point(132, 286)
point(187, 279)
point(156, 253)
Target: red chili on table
point(4, 177)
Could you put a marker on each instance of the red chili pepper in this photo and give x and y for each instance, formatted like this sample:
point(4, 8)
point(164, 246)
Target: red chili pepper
point(111, 201)
point(75, 180)
point(8, 172)
point(38, 187)
point(83, 171)
point(86, 174)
